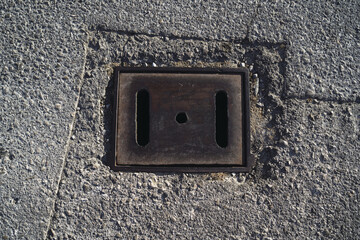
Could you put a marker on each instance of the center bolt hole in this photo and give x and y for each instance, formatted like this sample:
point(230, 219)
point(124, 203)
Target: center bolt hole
point(181, 117)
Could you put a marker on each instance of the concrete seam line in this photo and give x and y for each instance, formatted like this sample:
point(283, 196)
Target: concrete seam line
point(171, 37)
point(85, 45)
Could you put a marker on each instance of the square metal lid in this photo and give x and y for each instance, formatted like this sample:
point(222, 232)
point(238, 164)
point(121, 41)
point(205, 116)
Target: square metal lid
point(150, 136)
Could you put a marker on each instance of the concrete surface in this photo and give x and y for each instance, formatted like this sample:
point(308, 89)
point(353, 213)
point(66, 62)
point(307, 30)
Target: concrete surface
point(324, 46)
point(56, 91)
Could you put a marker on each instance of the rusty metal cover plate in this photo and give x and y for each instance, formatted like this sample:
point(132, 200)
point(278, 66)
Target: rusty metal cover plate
point(181, 120)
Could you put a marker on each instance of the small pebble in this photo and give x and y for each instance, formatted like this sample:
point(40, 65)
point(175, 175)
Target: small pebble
point(260, 105)
point(86, 188)
point(284, 142)
point(58, 106)
point(96, 165)
point(310, 93)
point(152, 183)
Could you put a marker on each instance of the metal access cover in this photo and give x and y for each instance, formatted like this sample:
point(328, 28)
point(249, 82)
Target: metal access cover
point(181, 120)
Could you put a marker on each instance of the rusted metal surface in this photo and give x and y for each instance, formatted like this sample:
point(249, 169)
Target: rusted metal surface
point(182, 120)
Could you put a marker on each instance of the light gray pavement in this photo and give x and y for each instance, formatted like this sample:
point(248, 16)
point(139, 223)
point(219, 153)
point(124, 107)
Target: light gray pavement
point(324, 47)
point(56, 61)
point(42, 61)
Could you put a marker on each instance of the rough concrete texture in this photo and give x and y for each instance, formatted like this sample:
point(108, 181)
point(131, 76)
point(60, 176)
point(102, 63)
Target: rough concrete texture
point(41, 71)
point(324, 45)
point(193, 19)
point(56, 97)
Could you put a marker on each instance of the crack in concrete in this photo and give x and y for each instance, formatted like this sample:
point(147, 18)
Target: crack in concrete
point(86, 44)
point(163, 35)
point(245, 41)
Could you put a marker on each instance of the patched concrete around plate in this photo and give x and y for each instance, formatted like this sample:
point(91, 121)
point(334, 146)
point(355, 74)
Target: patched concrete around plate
point(296, 161)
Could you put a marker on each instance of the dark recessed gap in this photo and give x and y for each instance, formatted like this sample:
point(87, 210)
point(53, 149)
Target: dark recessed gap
point(142, 116)
point(181, 117)
point(221, 110)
